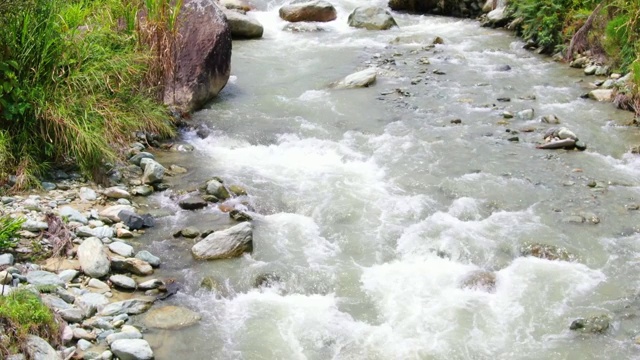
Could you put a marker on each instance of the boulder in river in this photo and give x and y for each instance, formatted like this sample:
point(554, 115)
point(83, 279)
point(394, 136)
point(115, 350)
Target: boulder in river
point(203, 58)
point(546, 251)
point(594, 324)
point(480, 280)
point(601, 94)
point(371, 18)
point(359, 79)
point(225, 244)
point(305, 10)
point(243, 26)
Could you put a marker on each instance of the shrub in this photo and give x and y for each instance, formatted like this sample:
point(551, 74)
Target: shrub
point(22, 313)
point(8, 229)
point(72, 80)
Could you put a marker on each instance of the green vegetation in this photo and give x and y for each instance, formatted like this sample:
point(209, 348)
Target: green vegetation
point(78, 78)
point(607, 28)
point(8, 229)
point(22, 313)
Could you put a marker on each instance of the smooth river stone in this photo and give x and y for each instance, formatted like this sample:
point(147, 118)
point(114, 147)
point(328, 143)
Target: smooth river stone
point(171, 318)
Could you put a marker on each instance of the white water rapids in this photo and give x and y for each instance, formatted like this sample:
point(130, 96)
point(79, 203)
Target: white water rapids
point(359, 194)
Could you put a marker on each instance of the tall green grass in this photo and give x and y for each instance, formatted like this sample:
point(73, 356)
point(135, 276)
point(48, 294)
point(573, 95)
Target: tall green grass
point(74, 83)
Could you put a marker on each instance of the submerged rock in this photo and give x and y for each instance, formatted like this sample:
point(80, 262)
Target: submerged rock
point(224, 244)
point(595, 324)
point(359, 79)
point(545, 251)
point(171, 318)
point(480, 279)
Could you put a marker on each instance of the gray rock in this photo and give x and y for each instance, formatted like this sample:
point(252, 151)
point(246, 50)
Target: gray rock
point(72, 315)
point(131, 265)
point(83, 344)
point(55, 302)
point(98, 232)
point(132, 220)
point(90, 303)
point(132, 349)
point(153, 172)
point(224, 244)
point(97, 322)
point(81, 333)
point(93, 258)
point(371, 18)
point(359, 79)
point(171, 318)
point(68, 275)
point(65, 295)
point(590, 70)
point(130, 307)
point(112, 212)
point(87, 194)
point(6, 260)
point(120, 248)
point(72, 214)
point(303, 27)
point(101, 286)
point(243, 26)
point(34, 226)
point(124, 282)
point(137, 158)
point(192, 203)
point(142, 190)
point(40, 277)
point(217, 189)
point(144, 255)
point(304, 10)
point(38, 349)
point(115, 192)
point(190, 232)
point(546, 251)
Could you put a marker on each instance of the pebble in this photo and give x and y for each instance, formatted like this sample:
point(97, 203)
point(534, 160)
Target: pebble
point(144, 255)
point(123, 281)
point(121, 248)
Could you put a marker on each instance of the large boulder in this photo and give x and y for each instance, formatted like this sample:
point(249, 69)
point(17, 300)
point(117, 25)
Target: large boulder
point(467, 8)
point(132, 349)
point(243, 26)
point(203, 58)
point(38, 349)
point(93, 258)
point(371, 18)
point(225, 244)
point(305, 10)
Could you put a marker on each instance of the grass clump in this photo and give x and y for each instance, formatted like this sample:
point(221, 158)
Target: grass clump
point(8, 229)
point(74, 84)
point(22, 313)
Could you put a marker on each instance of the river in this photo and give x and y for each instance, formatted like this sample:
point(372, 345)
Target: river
point(371, 207)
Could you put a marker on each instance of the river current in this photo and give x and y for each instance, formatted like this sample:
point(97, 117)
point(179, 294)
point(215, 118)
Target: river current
point(371, 207)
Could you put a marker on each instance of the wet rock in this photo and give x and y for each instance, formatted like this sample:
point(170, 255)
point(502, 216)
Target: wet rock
point(437, 41)
point(503, 67)
point(129, 307)
point(224, 244)
point(190, 232)
point(590, 70)
point(579, 62)
point(121, 248)
point(266, 280)
point(456, 121)
point(217, 189)
point(176, 169)
point(601, 94)
point(304, 10)
point(93, 258)
point(550, 119)
point(302, 27)
point(132, 349)
point(39, 277)
point(131, 265)
point(480, 279)
point(239, 216)
point(545, 251)
point(115, 192)
point(243, 26)
point(237, 190)
point(359, 79)
point(194, 202)
point(132, 220)
point(148, 257)
point(150, 284)
point(235, 5)
point(171, 318)
point(123, 282)
point(595, 324)
point(497, 17)
point(210, 283)
point(371, 18)
point(38, 349)
point(153, 172)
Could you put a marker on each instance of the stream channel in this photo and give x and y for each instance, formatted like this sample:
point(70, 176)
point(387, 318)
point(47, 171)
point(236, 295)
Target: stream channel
point(371, 207)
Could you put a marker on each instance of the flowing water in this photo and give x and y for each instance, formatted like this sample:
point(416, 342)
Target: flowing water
point(372, 208)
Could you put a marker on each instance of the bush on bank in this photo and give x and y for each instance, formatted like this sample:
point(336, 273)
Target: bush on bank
point(609, 29)
point(78, 78)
